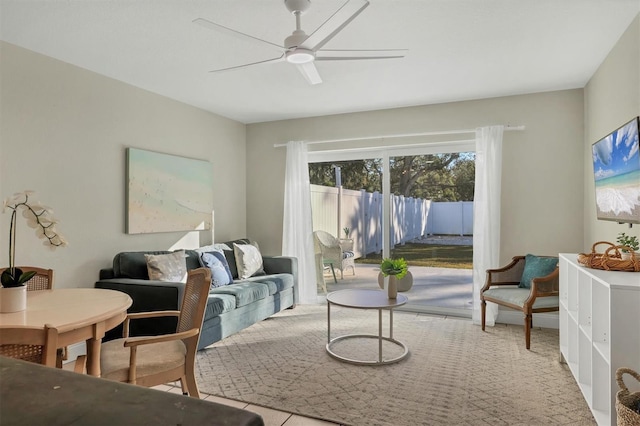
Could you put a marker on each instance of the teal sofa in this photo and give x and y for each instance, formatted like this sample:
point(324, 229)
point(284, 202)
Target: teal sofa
point(230, 308)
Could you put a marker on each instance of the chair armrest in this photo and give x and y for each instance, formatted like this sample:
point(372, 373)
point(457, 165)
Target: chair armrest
point(147, 296)
point(507, 275)
point(134, 342)
point(147, 340)
point(546, 286)
point(154, 314)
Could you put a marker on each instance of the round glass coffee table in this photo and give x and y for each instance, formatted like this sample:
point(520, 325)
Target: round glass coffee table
point(366, 299)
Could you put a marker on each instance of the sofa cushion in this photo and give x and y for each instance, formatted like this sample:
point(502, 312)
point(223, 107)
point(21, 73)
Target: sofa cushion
point(219, 304)
point(535, 267)
point(167, 267)
point(248, 260)
point(281, 281)
point(245, 292)
point(133, 264)
point(517, 296)
point(217, 263)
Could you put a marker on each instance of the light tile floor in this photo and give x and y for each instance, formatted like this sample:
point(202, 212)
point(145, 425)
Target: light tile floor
point(270, 416)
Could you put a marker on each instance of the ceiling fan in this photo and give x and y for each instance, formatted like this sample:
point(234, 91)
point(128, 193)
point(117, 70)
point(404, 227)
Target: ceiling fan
point(303, 50)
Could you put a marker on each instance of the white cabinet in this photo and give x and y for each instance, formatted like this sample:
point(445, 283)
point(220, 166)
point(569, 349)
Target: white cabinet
point(599, 330)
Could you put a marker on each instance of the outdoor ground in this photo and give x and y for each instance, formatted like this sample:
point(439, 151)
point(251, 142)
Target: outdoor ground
point(441, 251)
point(441, 267)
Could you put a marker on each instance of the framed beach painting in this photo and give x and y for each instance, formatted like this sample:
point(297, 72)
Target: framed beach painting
point(616, 170)
point(167, 193)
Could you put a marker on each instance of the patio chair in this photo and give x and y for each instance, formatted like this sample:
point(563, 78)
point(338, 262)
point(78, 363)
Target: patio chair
point(529, 284)
point(333, 252)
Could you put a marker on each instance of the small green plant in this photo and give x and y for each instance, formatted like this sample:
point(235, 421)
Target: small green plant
point(347, 231)
point(628, 241)
point(397, 267)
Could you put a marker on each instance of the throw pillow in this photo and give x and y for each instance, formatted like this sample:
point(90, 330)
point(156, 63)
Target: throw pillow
point(213, 247)
point(535, 267)
point(220, 274)
point(167, 267)
point(248, 260)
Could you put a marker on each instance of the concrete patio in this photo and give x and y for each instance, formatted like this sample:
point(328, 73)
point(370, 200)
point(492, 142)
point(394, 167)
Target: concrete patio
point(438, 290)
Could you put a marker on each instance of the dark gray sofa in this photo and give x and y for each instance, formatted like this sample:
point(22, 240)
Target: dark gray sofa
point(230, 308)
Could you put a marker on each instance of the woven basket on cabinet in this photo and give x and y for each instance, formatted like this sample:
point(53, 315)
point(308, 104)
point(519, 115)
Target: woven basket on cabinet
point(611, 259)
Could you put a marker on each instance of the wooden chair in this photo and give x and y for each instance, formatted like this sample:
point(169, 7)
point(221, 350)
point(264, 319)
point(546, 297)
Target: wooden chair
point(333, 253)
point(42, 280)
point(31, 344)
point(503, 287)
point(154, 360)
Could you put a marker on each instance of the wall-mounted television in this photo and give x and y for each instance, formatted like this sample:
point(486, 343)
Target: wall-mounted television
point(616, 169)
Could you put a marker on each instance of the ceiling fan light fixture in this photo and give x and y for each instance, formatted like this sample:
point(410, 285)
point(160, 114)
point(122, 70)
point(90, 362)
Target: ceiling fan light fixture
point(300, 56)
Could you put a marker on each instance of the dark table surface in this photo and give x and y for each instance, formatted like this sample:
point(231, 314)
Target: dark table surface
point(31, 394)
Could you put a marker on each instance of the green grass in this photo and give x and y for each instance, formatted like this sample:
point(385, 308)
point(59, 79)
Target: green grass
point(439, 256)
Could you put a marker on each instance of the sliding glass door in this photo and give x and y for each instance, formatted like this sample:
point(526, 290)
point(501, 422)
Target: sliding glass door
point(391, 212)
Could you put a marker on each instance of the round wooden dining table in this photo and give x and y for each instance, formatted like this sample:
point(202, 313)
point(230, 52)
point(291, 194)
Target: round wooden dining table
point(79, 314)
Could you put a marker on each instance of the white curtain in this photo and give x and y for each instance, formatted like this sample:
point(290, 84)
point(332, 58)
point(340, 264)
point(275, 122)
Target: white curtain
point(297, 234)
point(486, 214)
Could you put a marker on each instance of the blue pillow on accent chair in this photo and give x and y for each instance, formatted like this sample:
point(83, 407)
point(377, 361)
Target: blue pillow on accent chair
point(535, 267)
point(216, 262)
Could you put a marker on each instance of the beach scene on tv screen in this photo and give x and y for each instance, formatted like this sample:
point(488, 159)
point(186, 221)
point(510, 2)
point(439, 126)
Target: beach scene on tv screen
point(616, 165)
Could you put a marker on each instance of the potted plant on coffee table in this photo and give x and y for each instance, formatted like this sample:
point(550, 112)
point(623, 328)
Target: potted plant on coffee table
point(394, 270)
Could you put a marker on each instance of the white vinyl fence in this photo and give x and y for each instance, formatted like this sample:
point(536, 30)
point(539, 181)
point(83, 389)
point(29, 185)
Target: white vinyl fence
point(336, 208)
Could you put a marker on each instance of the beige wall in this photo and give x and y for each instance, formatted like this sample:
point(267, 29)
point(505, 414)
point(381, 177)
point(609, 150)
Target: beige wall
point(63, 133)
point(612, 97)
point(64, 130)
point(542, 189)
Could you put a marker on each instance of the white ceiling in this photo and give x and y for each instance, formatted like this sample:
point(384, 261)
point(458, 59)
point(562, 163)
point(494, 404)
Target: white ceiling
point(458, 49)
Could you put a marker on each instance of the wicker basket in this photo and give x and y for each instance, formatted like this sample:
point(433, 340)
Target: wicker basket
point(611, 259)
point(627, 403)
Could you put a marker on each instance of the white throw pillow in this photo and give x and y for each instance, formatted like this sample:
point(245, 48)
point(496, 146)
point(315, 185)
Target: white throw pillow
point(167, 267)
point(248, 260)
point(214, 247)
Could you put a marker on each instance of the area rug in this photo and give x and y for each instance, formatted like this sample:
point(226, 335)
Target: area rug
point(455, 374)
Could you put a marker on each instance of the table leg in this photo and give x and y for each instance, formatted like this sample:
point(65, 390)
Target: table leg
point(93, 357)
point(328, 322)
point(333, 271)
point(379, 335)
point(391, 323)
point(93, 349)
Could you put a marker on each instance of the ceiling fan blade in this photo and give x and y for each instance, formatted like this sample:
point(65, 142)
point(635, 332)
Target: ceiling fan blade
point(334, 24)
point(349, 55)
point(310, 73)
point(279, 58)
point(217, 27)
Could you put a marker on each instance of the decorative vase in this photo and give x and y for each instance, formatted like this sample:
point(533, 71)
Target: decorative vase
point(392, 287)
point(13, 299)
point(403, 284)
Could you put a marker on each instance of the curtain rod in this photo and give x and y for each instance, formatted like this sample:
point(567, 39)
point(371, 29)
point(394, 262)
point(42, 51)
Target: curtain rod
point(374, 148)
point(507, 128)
